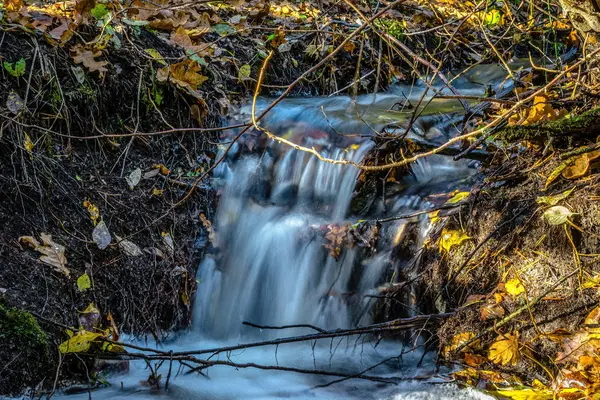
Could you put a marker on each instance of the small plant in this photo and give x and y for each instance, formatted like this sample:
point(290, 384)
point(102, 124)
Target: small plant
point(17, 69)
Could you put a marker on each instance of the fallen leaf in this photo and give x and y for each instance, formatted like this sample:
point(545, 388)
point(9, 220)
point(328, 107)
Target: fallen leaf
point(168, 242)
point(514, 287)
point(128, 247)
point(580, 166)
point(28, 144)
point(505, 350)
point(53, 253)
point(93, 211)
point(208, 226)
point(451, 238)
point(459, 341)
point(458, 197)
point(134, 178)
point(474, 360)
point(62, 33)
point(79, 343)
point(84, 282)
point(336, 236)
point(87, 58)
point(101, 235)
point(553, 200)
point(244, 72)
point(593, 317)
point(185, 74)
point(557, 215)
point(14, 102)
point(156, 56)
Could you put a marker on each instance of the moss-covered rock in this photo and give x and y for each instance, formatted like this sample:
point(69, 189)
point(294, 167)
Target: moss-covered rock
point(23, 350)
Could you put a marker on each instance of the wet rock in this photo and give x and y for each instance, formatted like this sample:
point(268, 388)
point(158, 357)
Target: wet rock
point(284, 194)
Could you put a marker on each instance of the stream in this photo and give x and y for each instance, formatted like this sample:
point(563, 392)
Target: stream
point(266, 262)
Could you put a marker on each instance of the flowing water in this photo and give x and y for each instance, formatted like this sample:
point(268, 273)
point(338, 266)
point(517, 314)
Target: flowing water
point(267, 263)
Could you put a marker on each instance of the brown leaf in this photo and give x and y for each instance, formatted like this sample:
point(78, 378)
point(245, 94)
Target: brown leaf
point(51, 252)
point(474, 360)
point(82, 10)
point(185, 74)
point(581, 166)
point(336, 236)
point(62, 33)
point(181, 38)
point(87, 58)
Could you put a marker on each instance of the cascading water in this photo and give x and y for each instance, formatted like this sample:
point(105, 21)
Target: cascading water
point(268, 264)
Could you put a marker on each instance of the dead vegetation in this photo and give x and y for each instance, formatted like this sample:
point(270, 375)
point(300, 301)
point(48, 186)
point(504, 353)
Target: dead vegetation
point(109, 116)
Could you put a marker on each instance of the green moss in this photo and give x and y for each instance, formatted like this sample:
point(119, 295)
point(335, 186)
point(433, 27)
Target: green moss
point(24, 346)
point(393, 27)
point(585, 125)
point(21, 327)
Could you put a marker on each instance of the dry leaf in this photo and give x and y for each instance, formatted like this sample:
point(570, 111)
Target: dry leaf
point(87, 58)
point(14, 102)
point(93, 211)
point(134, 178)
point(28, 144)
point(53, 253)
point(101, 235)
point(459, 341)
point(474, 360)
point(581, 165)
point(128, 247)
point(208, 225)
point(168, 242)
point(451, 238)
point(505, 350)
point(79, 343)
point(185, 74)
point(458, 197)
point(335, 237)
point(557, 215)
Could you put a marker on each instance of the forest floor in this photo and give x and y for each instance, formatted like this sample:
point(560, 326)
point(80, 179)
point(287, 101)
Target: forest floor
point(109, 125)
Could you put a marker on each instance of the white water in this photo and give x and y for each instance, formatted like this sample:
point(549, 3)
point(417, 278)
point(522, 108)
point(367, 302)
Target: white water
point(268, 266)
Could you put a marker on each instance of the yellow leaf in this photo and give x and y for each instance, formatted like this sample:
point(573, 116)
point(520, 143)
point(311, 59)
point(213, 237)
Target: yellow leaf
point(28, 144)
point(459, 341)
point(157, 192)
point(79, 343)
point(581, 165)
point(156, 56)
point(505, 350)
point(163, 170)
point(457, 197)
point(514, 287)
point(93, 211)
point(553, 200)
point(452, 238)
point(434, 216)
point(557, 171)
point(524, 394)
point(84, 282)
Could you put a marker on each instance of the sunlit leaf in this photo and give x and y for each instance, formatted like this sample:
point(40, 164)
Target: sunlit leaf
point(505, 350)
point(514, 287)
point(93, 211)
point(451, 238)
point(557, 215)
point(553, 200)
point(458, 197)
